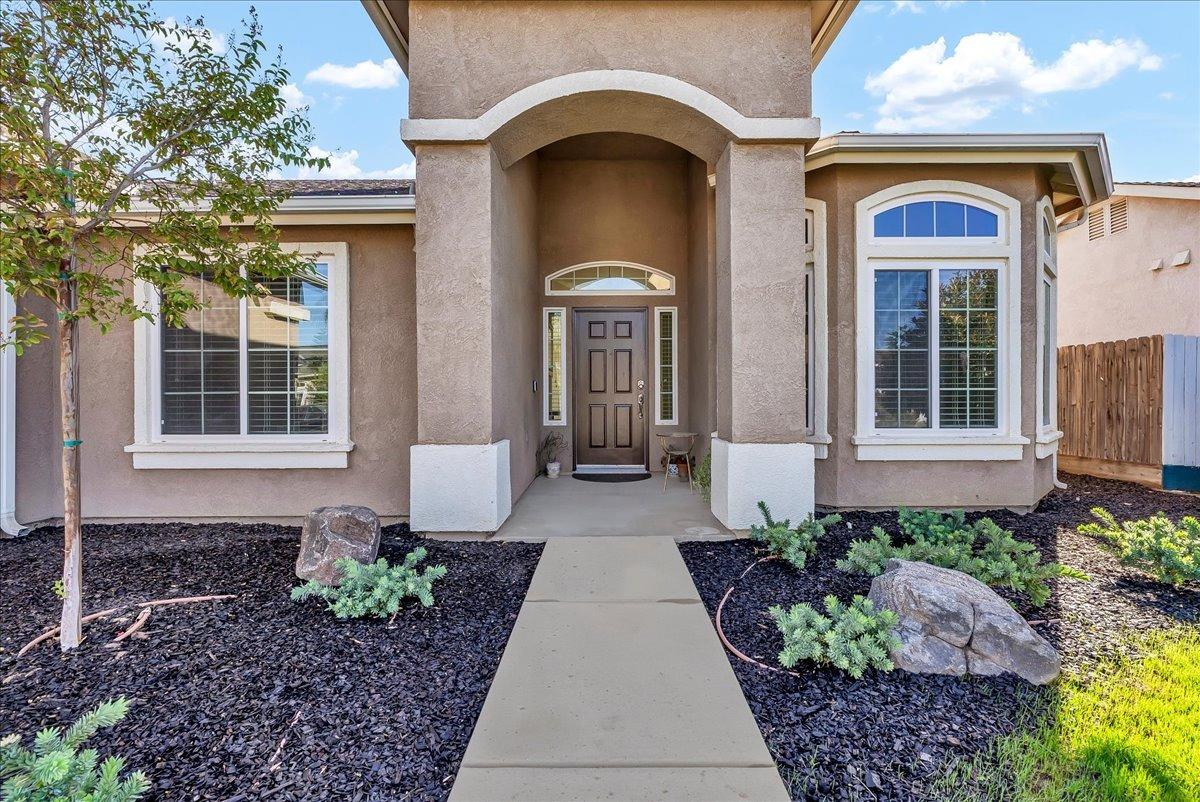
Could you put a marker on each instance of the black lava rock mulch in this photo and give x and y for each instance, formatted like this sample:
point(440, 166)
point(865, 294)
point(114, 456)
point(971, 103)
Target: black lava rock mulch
point(258, 696)
point(890, 736)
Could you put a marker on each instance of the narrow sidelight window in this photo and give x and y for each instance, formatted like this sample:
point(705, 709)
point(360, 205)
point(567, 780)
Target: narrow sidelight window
point(666, 339)
point(257, 366)
point(554, 366)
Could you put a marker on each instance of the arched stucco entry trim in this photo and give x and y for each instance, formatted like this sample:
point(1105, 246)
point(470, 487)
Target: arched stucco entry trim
point(610, 100)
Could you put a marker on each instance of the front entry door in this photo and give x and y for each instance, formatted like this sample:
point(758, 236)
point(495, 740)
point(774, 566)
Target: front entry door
point(611, 387)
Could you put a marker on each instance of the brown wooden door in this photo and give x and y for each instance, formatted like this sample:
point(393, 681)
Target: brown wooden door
point(612, 388)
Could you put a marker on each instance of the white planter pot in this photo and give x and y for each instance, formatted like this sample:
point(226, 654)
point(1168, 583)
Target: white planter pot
point(553, 469)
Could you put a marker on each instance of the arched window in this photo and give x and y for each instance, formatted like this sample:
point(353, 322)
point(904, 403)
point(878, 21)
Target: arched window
point(938, 304)
point(941, 218)
point(610, 278)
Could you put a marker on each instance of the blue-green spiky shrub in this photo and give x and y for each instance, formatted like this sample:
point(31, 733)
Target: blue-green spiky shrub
point(1156, 545)
point(794, 545)
point(375, 589)
point(56, 770)
point(852, 637)
point(982, 550)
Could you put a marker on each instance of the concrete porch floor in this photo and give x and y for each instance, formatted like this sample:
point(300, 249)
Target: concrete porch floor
point(569, 507)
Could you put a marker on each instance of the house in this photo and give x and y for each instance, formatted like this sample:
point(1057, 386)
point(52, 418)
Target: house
point(625, 221)
point(1143, 243)
point(1129, 335)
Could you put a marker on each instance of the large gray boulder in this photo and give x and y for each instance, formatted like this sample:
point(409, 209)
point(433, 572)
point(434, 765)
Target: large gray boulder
point(951, 623)
point(331, 533)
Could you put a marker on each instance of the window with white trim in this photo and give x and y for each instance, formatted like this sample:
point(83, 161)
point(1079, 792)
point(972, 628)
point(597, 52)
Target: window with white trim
point(1047, 313)
point(666, 341)
point(816, 368)
point(263, 375)
point(610, 278)
point(938, 300)
point(554, 366)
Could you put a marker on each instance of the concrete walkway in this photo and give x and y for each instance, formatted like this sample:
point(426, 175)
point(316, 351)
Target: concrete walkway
point(569, 507)
point(614, 686)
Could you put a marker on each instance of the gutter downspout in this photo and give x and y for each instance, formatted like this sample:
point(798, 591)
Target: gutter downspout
point(8, 423)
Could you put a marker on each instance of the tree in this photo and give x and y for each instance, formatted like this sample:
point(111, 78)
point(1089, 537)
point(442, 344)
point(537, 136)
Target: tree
point(123, 136)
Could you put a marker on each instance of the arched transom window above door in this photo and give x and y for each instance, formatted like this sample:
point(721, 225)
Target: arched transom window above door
point(610, 278)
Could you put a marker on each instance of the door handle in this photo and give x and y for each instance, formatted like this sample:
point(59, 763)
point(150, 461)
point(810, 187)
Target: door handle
point(641, 404)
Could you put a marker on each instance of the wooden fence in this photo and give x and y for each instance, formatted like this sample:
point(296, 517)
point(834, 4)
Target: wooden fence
point(1110, 408)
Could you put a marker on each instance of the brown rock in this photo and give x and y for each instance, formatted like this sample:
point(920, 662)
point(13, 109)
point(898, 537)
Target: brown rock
point(331, 533)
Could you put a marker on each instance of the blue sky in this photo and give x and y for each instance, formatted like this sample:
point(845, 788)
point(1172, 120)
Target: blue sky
point(1128, 69)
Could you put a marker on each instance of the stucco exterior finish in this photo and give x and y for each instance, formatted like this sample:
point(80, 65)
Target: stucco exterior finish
point(842, 480)
point(467, 56)
point(760, 294)
point(625, 198)
point(1098, 279)
point(382, 413)
point(39, 475)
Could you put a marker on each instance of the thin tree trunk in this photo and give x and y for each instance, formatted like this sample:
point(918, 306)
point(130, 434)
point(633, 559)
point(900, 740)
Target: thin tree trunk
point(72, 577)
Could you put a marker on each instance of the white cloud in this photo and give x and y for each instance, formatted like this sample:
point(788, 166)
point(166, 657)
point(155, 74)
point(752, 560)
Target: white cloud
point(293, 97)
point(1166, 95)
point(1193, 179)
point(345, 165)
point(914, 7)
point(854, 115)
point(363, 75)
point(185, 35)
point(926, 88)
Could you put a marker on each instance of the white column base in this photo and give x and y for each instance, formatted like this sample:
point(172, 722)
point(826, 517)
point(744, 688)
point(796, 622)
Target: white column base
point(743, 474)
point(459, 488)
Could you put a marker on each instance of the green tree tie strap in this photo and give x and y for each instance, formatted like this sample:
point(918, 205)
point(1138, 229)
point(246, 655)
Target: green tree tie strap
point(72, 443)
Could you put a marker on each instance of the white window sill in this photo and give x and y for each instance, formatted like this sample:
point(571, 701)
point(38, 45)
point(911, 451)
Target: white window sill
point(1046, 444)
point(820, 444)
point(912, 448)
point(239, 455)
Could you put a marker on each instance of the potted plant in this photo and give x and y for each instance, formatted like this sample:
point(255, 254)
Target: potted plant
point(548, 452)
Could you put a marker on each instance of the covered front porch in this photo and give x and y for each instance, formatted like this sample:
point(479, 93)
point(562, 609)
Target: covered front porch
point(568, 507)
point(632, 265)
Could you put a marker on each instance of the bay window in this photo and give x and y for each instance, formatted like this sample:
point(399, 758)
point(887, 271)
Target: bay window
point(938, 302)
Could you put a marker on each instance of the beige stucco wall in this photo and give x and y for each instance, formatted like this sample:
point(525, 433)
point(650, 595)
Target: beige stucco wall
point(382, 412)
point(516, 332)
point(467, 56)
point(843, 481)
point(701, 308)
point(39, 479)
point(606, 197)
point(1106, 290)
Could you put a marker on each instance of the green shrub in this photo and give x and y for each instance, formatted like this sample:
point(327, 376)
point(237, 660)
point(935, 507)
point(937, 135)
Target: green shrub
point(375, 589)
point(852, 637)
point(57, 770)
point(786, 543)
point(982, 550)
point(1170, 553)
point(702, 477)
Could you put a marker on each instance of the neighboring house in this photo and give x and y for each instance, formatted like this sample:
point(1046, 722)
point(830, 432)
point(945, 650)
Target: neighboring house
point(1130, 266)
point(1129, 334)
point(640, 232)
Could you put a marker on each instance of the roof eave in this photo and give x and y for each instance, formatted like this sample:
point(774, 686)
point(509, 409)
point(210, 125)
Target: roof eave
point(390, 29)
point(825, 31)
point(1081, 157)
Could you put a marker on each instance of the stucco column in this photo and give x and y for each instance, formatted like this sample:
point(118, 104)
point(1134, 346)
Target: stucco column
point(759, 450)
point(460, 478)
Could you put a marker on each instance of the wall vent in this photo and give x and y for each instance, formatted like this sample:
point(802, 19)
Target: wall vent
point(1095, 222)
point(1118, 218)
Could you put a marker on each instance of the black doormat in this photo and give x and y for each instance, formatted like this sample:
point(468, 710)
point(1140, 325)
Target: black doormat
point(611, 477)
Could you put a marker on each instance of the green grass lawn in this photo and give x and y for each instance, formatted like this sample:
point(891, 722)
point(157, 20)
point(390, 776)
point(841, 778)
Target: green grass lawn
point(1130, 732)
